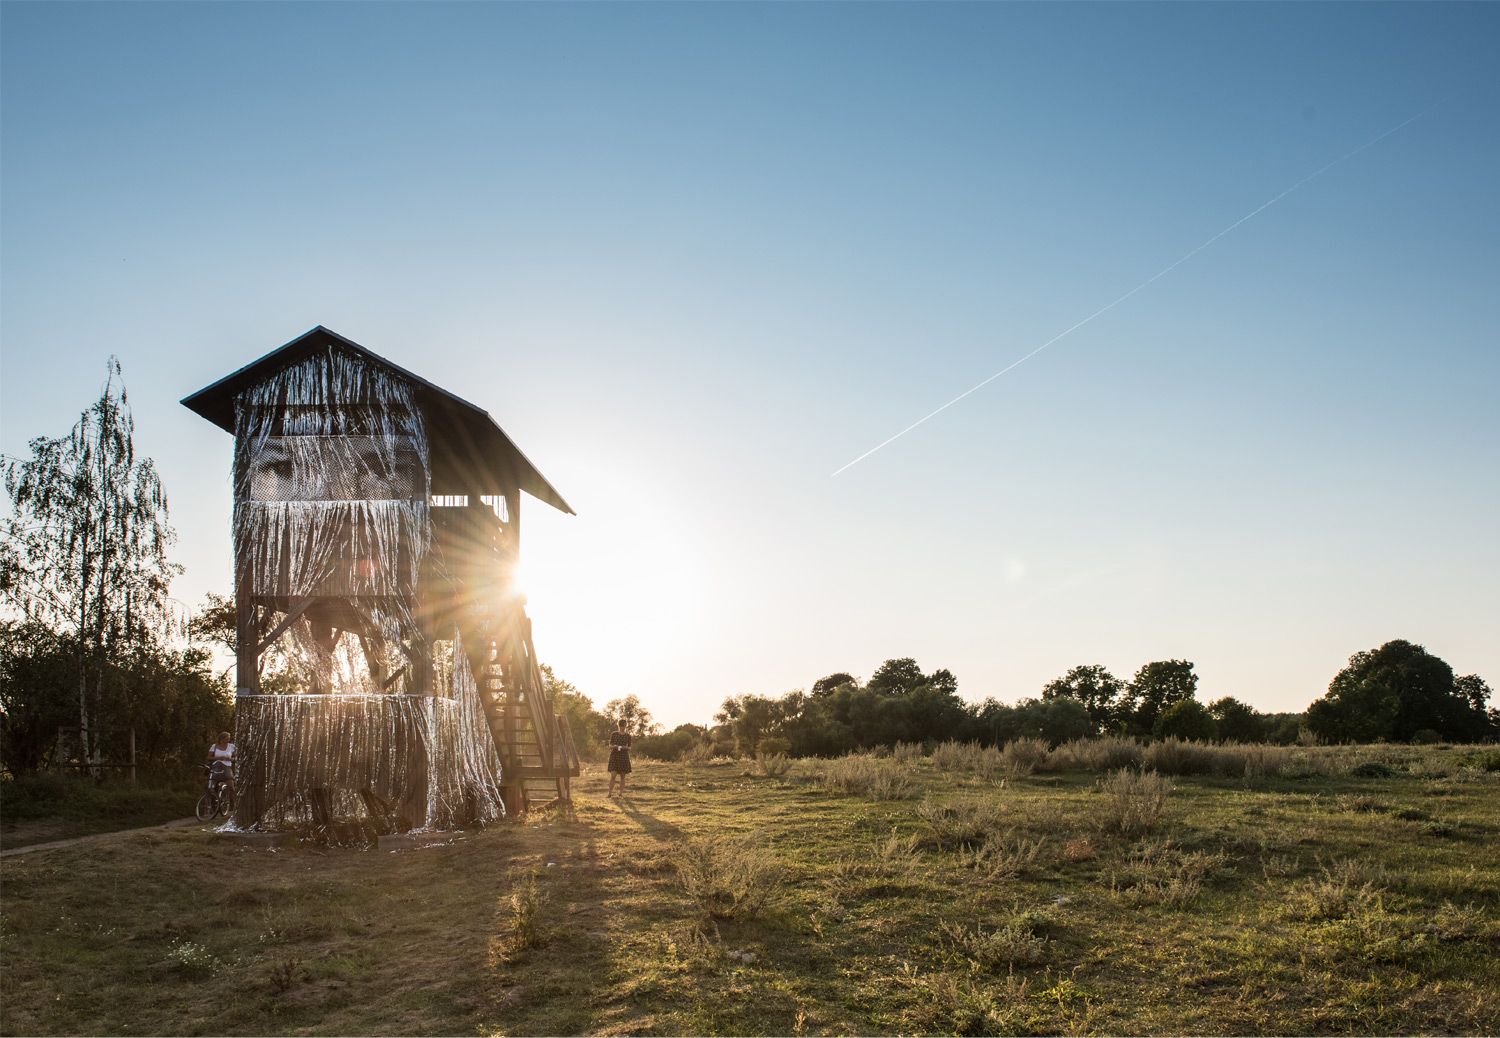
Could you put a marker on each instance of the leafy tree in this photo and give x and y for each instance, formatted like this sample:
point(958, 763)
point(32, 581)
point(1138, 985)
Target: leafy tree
point(169, 698)
point(817, 730)
point(752, 719)
point(1157, 686)
point(638, 720)
point(1185, 719)
point(825, 686)
point(1284, 729)
point(38, 693)
point(1093, 686)
point(214, 622)
point(1056, 720)
point(86, 548)
point(671, 745)
point(896, 677)
point(1475, 690)
point(1392, 693)
point(1237, 722)
point(590, 728)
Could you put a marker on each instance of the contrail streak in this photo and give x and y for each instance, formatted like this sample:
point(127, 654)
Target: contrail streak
point(1159, 274)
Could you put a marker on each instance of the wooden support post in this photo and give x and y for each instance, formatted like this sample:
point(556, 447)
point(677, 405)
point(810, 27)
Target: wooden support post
point(246, 634)
point(132, 756)
point(513, 514)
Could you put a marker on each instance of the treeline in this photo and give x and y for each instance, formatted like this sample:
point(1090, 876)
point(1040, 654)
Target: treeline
point(170, 697)
point(902, 704)
point(1398, 692)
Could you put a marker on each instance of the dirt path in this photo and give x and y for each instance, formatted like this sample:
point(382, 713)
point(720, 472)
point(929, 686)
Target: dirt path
point(8, 851)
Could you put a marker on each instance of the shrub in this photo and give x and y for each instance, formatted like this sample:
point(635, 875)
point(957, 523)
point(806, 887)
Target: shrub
point(526, 905)
point(773, 765)
point(1176, 757)
point(891, 859)
point(1262, 761)
point(1004, 856)
point(1009, 945)
point(877, 779)
point(1110, 753)
point(729, 878)
point(1484, 760)
point(1372, 769)
point(988, 763)
point(1134, 801)
point(1161, 874)
point(906, 752)
point(698, 753)
point(954, 756)
point(966, 821)
point(283, 973)
point(1021, 757)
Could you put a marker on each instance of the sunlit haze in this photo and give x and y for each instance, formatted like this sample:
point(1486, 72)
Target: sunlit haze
point(696, 258)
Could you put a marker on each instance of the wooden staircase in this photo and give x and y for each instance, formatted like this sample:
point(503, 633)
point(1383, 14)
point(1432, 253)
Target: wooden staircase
point(536, 752)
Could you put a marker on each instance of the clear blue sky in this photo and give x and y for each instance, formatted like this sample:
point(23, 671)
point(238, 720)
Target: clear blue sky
point(695, 258)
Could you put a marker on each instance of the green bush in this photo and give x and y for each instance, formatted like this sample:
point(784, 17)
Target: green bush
point(68, 795)
point(1186, 719)
point(1484, 760)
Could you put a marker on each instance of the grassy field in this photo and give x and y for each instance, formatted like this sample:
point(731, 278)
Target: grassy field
point(952, 893)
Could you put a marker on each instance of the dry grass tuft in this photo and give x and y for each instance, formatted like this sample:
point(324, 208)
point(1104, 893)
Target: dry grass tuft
point(526, 908)
point(730, 878)
point(906, 752)
point(953, 756)
point(1134, 801)
point(875, 778)
point(1110, 753)
point(698, 753)
point(1003, 856)
point(1262, 761)
point(1021, 757)
point(964, 821)
point(1010, 945)
point(1080, 848)
point(1157, 873)
point(772, 765)
point(1333, 895)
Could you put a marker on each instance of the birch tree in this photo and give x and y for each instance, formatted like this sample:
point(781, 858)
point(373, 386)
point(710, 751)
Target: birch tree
point(85, 549)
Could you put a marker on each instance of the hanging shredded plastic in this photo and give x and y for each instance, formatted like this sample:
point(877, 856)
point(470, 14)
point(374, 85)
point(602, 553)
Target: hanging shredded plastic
point(332, 495)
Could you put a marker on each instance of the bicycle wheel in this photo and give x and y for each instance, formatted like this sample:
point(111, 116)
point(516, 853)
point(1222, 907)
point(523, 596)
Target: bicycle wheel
point(208, 806)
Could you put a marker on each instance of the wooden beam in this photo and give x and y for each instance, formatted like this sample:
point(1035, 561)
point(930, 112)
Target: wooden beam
point(299, 606)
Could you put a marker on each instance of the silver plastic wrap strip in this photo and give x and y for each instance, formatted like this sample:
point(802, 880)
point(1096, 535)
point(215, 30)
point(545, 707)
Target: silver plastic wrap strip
point(418, 759)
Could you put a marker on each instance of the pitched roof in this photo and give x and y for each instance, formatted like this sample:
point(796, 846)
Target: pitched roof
point(470, 452)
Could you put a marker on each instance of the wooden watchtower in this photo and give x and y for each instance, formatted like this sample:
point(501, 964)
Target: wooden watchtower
point(375, 509)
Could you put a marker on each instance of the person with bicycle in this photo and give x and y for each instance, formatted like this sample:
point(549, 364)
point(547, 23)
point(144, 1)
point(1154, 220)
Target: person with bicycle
point(221, 763)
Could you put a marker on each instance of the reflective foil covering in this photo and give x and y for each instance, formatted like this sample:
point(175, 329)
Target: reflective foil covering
point(332, 525)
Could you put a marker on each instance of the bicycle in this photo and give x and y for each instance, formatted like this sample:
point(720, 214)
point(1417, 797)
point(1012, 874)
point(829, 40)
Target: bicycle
point(218, 800)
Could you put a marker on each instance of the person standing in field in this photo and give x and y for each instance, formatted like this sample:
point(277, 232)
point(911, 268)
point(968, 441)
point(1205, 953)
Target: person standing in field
point(619, 756)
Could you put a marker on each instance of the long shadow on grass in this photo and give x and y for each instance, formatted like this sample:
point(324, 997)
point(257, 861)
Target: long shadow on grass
point(553, 979)
point(651, 825)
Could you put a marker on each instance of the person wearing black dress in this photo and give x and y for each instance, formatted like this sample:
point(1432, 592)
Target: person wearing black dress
point(619, 757)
